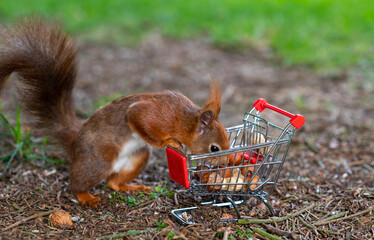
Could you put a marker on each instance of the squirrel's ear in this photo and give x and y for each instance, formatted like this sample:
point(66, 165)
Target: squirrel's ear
point(205, 119)
point(213, 102)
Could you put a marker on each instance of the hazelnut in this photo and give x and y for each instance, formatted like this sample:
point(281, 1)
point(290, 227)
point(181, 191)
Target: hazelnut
point(60, 219)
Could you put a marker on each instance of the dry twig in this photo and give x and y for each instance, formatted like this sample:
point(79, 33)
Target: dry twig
point(226, 233)
point(176, 199)
point(28, 219)
point(342, 214)
point(344, 218)
point(311, 226)
point(132, 232)
point(281, 219)
point(279, 232)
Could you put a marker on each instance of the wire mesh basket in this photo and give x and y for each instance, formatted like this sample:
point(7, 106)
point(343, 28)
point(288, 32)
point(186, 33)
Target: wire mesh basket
point(250, 168)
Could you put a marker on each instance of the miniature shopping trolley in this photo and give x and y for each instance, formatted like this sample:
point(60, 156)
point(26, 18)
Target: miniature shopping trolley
point(249, 168)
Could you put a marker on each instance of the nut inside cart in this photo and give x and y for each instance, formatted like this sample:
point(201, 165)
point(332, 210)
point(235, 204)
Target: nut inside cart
point(250, 168)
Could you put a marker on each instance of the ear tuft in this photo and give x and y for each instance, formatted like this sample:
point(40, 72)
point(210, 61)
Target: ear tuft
point(213, 102)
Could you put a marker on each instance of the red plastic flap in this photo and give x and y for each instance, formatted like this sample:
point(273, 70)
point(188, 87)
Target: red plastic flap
point(252, 157)
point(177, 167)
point(297, 121)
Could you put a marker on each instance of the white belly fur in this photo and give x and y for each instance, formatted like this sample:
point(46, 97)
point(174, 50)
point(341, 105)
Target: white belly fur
point(124, 160)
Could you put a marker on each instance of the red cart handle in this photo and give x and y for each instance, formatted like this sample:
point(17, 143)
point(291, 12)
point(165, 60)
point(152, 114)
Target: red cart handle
point(296, 120)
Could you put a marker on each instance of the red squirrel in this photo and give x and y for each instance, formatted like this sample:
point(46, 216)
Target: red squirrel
point(114, 143)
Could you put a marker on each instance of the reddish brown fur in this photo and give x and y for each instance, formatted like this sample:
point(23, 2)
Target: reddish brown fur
point(116, 180)
point(214, 101)
point(111, 144)
point(87, 199)
point(109, 151)
point(44, 58)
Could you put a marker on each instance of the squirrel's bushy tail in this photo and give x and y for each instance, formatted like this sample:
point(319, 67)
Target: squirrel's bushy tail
point(45, 60)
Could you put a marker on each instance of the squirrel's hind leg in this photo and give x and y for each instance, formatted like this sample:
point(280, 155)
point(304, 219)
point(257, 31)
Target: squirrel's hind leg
point(84, 198)
point(117, 181)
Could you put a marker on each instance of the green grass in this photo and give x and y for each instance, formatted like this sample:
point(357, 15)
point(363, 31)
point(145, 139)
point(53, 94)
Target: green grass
point(323, 34)
point(132, 201)
point(22, 145)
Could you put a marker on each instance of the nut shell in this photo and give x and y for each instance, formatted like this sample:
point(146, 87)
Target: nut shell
point(60, 219)
point(233, 187)
point(258, 138)
point(225, 173)
point(212, 177)
point(201, 174)
point(254, 180)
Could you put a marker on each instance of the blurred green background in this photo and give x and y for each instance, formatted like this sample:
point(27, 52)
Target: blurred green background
point(325, 35)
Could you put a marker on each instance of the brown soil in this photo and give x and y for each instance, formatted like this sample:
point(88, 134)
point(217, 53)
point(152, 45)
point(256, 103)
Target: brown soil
point(330, 162)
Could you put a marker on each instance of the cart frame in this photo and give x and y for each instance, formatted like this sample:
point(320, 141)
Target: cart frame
point(249, 168)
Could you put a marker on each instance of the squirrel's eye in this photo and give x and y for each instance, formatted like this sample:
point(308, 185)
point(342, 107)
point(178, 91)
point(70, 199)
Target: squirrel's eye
point(214, 148)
